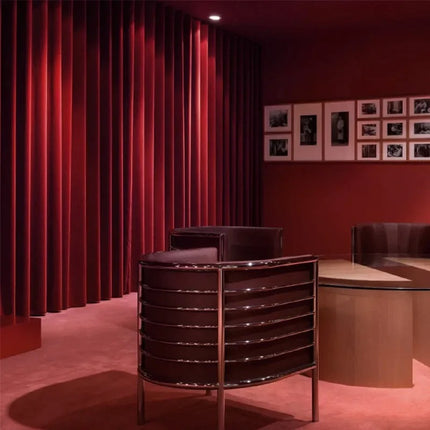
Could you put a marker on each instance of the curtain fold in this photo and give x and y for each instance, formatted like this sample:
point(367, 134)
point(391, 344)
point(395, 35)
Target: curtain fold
point(119, 121)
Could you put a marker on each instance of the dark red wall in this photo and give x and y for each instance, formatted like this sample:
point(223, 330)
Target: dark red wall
point(317, 203)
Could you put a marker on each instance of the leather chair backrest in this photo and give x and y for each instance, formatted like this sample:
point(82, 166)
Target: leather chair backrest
point(234, 243)
point(375, 240)
point(194, 255)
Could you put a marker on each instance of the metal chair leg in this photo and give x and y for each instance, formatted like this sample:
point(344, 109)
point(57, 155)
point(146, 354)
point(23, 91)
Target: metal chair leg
point(315, 406)
point(221, 408)
point(140, 401)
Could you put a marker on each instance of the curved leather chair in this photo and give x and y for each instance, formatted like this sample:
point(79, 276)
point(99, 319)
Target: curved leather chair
point(234, 243)
point(371, 242)
point(209, 325)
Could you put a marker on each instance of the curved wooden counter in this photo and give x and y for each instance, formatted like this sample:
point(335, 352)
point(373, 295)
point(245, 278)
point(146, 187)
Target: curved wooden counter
point(374, 321)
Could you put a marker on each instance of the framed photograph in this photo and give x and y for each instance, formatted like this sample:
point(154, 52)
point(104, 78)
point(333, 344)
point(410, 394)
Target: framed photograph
point(277, 147)
point(394, 107)
point(307, 131)
point(419, 151)
point(394, 151)
point(339, 135)
point(277, 118)
point(368, 151)
point(419, 105)
point(419, 128)
point(394, 129)
point(368, 108)
point(368, 130)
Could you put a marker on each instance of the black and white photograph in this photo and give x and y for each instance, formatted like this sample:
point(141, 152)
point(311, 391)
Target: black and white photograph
point(277, 147)
point(277, 118)
point(394, 107)
point(339, 128)
point(422, 128)
point(419, 128)
point(368, 108)
point(419, 105)
point(394, 129)
point(367, 129)
point(419, 151)
point(368, 151)
point(394, 151)
point(308, 130)
point(339, 136)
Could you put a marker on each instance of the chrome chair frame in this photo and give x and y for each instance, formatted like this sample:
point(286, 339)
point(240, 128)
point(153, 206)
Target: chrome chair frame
point(221, 269)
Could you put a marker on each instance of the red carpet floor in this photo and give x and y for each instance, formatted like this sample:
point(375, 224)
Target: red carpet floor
point(83, 377)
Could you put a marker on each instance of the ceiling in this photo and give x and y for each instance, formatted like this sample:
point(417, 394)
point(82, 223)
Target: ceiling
point(268, 21)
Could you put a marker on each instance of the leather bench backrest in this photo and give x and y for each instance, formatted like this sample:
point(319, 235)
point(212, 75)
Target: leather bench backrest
point(390, 239)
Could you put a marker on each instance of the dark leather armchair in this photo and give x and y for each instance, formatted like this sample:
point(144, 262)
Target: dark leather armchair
point(234, 243)
point(214, 325)
point(371, 242)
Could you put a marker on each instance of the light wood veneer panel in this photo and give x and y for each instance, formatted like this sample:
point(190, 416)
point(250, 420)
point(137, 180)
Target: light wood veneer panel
point(366, 337)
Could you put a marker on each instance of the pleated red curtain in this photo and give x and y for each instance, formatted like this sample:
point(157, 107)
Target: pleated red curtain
point(119, 122)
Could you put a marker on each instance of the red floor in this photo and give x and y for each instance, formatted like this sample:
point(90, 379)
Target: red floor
point(83, 377)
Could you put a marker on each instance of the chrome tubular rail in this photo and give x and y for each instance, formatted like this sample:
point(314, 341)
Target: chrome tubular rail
point(315, 371)
point(221, 350)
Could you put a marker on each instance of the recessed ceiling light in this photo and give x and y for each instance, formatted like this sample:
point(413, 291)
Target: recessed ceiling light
point(214, 17)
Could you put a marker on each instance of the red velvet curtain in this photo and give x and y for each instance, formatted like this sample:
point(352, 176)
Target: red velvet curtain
point(119, 122)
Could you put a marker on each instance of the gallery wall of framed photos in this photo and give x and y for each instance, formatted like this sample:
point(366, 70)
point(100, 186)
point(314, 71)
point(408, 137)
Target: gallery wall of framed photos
point(391, 129)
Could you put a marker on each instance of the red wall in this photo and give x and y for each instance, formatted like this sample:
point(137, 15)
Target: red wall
point(317, 203)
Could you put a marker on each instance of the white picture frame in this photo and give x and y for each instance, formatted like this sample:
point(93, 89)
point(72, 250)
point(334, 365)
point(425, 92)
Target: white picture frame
point(307, 132)
point(368, 108)
point(394, 151)
point(419, 151)
point(394, 107)
point(277, 118)
point(368, 130)
point(394, 128)
point(339, 130)
point(419, 105)
point(419, 128)
point(368, 151)
point(277, 147)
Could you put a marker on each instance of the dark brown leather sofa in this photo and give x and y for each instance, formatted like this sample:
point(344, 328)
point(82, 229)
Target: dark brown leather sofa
point(212, 325)
point(234, 243)
point(373, 241)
